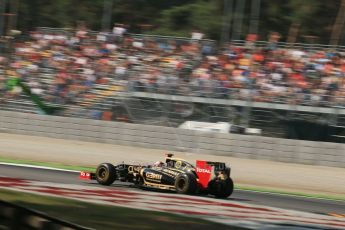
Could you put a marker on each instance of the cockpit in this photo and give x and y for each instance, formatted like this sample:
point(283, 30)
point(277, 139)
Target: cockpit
point(177, 163)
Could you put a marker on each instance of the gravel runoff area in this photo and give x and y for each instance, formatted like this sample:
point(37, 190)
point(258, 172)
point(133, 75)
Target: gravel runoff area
point(245, 172)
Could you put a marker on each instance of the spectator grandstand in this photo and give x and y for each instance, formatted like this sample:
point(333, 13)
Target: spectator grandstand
point(86, 71)
point(80, 62)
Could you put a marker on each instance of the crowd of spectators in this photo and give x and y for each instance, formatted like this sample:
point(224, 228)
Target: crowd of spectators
point(77, 63)
point(65, 67)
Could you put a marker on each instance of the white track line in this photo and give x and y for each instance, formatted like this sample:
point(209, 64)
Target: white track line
point(38, 167)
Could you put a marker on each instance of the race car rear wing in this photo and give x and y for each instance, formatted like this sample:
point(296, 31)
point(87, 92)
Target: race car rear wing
point(218, 166)
point(205, 170)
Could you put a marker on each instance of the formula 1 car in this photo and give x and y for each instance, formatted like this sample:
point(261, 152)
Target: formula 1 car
point(175, 174)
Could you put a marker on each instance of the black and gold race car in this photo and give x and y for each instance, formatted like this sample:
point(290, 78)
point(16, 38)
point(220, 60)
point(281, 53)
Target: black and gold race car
point(175, 174)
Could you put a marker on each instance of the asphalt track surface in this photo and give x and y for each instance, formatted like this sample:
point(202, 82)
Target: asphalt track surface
point(279, 176)
point(320, 206)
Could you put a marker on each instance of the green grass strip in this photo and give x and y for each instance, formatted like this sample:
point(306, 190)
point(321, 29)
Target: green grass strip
point(47, 164)
point(299, 194)
point(247, 188)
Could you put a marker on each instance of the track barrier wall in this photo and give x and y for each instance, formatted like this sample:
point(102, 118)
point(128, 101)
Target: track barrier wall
point(174, 139)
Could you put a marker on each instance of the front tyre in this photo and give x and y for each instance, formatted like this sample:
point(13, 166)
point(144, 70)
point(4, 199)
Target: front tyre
point(221, 188)
point(185, 183)
point(105, 174)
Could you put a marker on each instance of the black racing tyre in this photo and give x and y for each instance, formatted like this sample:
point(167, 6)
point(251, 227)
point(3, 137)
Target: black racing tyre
point(221, 188)
point(185, 183)
point(105, 174)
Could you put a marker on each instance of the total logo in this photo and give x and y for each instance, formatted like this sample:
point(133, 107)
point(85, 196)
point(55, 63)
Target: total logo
point(203, 170)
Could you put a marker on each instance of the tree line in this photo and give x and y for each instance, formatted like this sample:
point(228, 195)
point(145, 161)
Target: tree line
point(298, 20)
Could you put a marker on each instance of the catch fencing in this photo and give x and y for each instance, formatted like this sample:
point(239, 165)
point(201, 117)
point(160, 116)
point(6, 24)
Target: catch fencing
point(175, 139)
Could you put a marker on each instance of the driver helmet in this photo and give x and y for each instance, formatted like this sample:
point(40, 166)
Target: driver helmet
point(159, 164)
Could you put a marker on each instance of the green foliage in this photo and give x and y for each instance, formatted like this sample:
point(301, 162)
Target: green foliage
point(203, 16)
point(207, 19)
point(180, 17)
point(315, 18)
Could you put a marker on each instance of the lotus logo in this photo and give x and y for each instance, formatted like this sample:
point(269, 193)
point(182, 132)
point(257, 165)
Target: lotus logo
point(203, 170)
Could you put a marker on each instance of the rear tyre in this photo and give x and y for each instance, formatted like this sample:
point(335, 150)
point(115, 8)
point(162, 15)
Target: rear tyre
point(221, 188)
point(105, 174)
point(185, 183)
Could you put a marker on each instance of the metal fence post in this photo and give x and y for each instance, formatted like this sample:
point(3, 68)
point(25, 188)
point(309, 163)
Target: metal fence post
point(2, 16)
point(238, 19)
point(254, 16)
point(228, 5)
point(107, 13)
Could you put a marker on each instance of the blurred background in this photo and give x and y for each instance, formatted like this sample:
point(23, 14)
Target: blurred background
point(270, 68)
point(312, 20)
point(82, 70)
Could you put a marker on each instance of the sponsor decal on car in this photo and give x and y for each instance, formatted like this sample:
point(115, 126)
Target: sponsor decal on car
point(203, 170)
point(85, 176)
point(134, 169)
point(153, 176)
point(170, 172)
point(178, 164)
